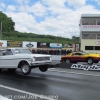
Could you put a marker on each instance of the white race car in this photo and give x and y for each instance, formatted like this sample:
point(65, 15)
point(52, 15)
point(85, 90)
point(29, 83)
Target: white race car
point(13, 58)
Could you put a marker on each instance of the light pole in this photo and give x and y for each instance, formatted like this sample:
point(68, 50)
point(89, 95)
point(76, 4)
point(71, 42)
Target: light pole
point(0, 30)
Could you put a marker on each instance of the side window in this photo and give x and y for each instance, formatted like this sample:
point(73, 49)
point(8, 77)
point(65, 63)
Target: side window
point(73, 54)
point(78, 54)
point(1, 52)
point(8, 52)
point(85, 22)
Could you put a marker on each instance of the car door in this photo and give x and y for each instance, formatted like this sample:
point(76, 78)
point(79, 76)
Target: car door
point(7, 59)
point(77, 57)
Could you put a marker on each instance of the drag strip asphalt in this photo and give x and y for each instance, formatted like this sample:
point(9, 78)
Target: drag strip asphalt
point(59, 83)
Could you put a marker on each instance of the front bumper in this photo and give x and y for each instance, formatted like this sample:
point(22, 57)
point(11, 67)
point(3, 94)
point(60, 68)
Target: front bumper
point(39, 64)
point(51, 64)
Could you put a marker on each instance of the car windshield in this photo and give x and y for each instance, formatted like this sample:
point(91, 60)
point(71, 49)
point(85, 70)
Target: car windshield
point(21, 51)
point(79, 53)
point(83, 53)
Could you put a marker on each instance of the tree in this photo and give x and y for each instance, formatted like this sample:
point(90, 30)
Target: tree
point(7, 23)
point(75, 39)
point(9, 33)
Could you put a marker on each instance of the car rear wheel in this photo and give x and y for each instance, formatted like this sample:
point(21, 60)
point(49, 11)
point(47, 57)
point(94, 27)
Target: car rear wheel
point(43, 68)
point(25, 68)
point(90, 61)
point(67, 60)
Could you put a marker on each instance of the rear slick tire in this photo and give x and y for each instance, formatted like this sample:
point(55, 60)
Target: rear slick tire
point(25, 68)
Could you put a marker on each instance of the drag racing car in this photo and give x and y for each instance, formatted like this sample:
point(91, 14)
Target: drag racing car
point(13, 58)
point(75, 57)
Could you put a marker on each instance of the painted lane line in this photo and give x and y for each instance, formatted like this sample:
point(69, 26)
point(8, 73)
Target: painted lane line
point(25, 92)
point(73, 73)
point(3, 98)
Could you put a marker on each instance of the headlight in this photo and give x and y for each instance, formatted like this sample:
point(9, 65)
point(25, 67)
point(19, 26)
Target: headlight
point(50, 57)
point(33, 59)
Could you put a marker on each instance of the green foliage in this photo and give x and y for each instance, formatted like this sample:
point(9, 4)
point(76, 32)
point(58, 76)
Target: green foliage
point(7, 23)
point(9, 33)
point(38, 38)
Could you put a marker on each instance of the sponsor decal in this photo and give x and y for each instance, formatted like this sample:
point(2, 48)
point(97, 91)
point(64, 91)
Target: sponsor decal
point(55, 45)
point(14, 43)
point(1, 44)
point(43, 45)
point(97, 42)
point(91, 26)
point(86, 67)
point(29, 45)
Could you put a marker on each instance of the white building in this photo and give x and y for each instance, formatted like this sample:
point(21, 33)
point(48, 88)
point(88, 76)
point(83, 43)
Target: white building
point(90, 32)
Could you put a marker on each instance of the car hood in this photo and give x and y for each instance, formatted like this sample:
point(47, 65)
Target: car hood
point(31, 55)
point(93, 54)
point(40, 55)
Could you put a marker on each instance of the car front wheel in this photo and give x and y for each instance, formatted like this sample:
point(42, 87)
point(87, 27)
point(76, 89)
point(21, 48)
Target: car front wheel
point(43, 68)
point(25, 68)
point(90, 61)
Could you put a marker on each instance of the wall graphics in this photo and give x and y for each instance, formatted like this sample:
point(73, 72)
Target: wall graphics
point(97, 42)
point(3, 43)
point(43, 45)
point(76, 47)
point(90, 26)
point(55, 45)
point(29, 44)
point(86, 67)
point(14, 43)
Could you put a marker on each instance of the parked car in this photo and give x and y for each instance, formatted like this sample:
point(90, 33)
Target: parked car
point(75, 57)
point(13, 58)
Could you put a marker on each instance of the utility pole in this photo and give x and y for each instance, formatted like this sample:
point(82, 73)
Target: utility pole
point(0, 30)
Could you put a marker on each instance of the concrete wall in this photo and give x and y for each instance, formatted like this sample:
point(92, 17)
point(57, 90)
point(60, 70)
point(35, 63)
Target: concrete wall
point(89, 42)
point(56, 57)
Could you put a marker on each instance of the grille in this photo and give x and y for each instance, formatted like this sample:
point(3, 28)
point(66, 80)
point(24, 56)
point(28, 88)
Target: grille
point(42, 58)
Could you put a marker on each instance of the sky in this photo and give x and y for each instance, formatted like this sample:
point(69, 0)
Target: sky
point(49, 17)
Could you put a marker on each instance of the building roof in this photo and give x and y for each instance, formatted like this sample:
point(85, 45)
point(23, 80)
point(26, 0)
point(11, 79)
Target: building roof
point(90, 15)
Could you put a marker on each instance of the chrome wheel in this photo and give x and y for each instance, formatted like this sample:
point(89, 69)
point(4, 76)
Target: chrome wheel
point(67, 60)
point(26, 69)
point(90, 61)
